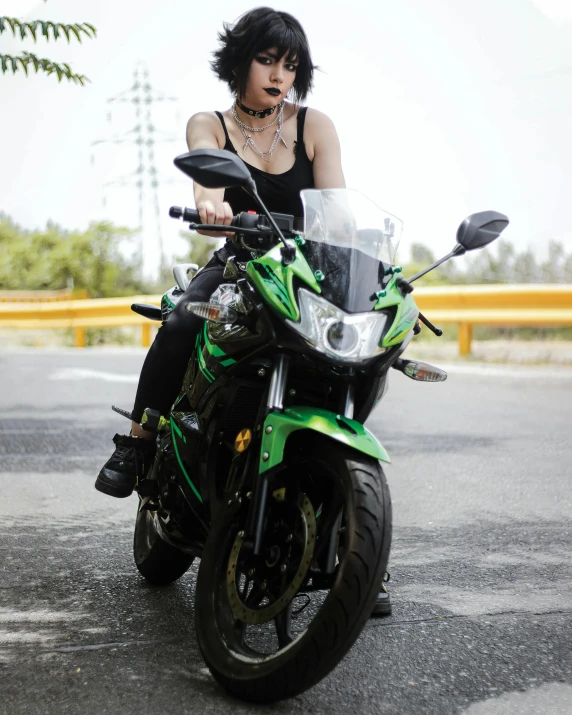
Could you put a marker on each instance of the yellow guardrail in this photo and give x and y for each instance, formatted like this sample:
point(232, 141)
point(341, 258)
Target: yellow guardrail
point(466, 306)
point(497, 305)
point(39, 296)
point(79, 315)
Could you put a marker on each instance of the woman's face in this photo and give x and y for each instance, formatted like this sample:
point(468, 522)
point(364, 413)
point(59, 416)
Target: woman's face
point(269, 79)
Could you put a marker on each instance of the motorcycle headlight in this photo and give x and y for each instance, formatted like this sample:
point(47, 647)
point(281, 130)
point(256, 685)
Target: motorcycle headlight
point(346, 337)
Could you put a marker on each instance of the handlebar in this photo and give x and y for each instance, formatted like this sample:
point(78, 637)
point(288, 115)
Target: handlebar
point(190, 215)
point(259, 227)
point(249, 220)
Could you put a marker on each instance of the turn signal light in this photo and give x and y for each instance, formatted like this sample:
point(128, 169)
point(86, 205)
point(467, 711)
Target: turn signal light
point(424, 372)
point(214, 312)
point(421, 371)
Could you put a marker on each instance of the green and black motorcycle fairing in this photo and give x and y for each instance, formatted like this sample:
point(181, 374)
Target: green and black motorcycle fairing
point(264, 468)
point(227, 379)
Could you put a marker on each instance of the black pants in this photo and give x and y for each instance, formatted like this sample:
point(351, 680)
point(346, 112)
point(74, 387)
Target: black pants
point(166, 362)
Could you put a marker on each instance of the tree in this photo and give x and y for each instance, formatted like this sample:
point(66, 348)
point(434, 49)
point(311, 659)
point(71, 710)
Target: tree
point(422, 257)
point(201, 248)
point(28, 61)
point(51, 259)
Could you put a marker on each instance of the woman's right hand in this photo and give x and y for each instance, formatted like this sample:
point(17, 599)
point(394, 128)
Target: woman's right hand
point(218, 212)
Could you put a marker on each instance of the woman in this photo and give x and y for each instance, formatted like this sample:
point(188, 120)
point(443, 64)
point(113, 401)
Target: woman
point(265, 60)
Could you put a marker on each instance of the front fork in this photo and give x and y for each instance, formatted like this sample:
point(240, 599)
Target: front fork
point(259, 499)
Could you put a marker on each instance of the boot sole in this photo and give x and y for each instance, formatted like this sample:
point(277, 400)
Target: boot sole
point(111, 489)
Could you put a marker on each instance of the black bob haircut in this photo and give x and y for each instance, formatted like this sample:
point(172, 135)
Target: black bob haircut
point(258, 30)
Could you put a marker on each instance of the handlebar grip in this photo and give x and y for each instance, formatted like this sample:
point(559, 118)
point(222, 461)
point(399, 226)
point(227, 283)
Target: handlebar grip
point(193, 216)
point(175, 212)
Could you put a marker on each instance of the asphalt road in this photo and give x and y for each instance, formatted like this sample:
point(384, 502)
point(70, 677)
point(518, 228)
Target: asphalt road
point(481, 563)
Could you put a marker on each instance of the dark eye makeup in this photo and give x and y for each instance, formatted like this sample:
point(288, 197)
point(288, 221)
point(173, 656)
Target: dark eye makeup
point(265, 60)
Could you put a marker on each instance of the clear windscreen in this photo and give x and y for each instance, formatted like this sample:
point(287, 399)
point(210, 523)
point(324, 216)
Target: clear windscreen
point(352, 242)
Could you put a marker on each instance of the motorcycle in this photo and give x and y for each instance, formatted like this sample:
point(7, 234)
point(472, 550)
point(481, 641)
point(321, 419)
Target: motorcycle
point(264, 468)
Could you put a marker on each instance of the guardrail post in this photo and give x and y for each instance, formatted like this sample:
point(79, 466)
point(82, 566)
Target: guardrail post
point(146, 335)
point(79, 337)
point(465, 338)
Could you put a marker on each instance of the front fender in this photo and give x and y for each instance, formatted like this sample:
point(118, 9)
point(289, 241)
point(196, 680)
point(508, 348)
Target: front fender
point(278, 426)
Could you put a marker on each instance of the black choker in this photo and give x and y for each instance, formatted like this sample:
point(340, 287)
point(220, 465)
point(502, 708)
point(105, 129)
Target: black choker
point(254, 113)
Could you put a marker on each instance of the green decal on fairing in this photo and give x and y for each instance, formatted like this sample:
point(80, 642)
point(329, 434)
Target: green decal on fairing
point(214, 350)
point(342, 429)
point(274, 280)
point(177, 432)
point(169, 303)
point(405, 316)
point(201, 360)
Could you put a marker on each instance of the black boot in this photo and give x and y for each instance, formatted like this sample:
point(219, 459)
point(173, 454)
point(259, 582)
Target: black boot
point(130, 461)
point(382, 605)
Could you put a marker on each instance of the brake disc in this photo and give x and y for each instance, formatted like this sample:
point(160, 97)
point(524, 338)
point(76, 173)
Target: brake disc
point(254, 616)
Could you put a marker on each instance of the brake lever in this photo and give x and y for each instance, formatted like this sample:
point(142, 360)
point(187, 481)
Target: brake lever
point(223, 227)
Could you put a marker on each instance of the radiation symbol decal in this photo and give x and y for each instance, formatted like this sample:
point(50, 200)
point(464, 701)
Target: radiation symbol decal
point(242, 441)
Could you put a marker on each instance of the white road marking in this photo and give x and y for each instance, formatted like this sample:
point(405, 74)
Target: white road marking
point(80, 373)
point(548, 698)
point(480, 369)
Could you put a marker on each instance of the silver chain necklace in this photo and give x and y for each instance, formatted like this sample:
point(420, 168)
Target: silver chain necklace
point(250, 141)
point(242, 125)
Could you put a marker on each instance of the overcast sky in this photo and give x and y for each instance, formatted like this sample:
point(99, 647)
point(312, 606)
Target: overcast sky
point(443, 108)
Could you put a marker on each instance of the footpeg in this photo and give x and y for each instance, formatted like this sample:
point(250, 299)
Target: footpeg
point(121, 412)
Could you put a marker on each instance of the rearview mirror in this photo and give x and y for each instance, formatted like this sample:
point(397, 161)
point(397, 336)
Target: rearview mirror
point(214, 168)
point(480, 229)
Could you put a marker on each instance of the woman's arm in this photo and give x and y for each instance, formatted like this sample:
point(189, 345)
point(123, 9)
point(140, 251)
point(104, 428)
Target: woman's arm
point(203, 132)
point(323, 148)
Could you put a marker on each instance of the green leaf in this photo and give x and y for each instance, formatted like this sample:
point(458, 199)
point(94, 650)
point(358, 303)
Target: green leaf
point(47, 66)
point(24, 62)
point(33, 27)
point(90, 27)
point(57, 29)
point(8, 62)
point(33, 59)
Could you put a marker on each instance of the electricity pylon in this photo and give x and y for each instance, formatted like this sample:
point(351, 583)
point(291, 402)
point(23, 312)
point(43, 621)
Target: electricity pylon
point(144, 135)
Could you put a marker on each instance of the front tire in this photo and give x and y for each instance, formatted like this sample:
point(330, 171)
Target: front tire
point(363, 554)
point(157, 561)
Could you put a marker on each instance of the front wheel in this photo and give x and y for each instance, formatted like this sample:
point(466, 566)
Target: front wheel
point(257, 637)
point(159, 562)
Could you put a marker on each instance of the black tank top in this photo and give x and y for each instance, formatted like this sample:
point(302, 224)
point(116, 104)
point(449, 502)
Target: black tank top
point(279, 192)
